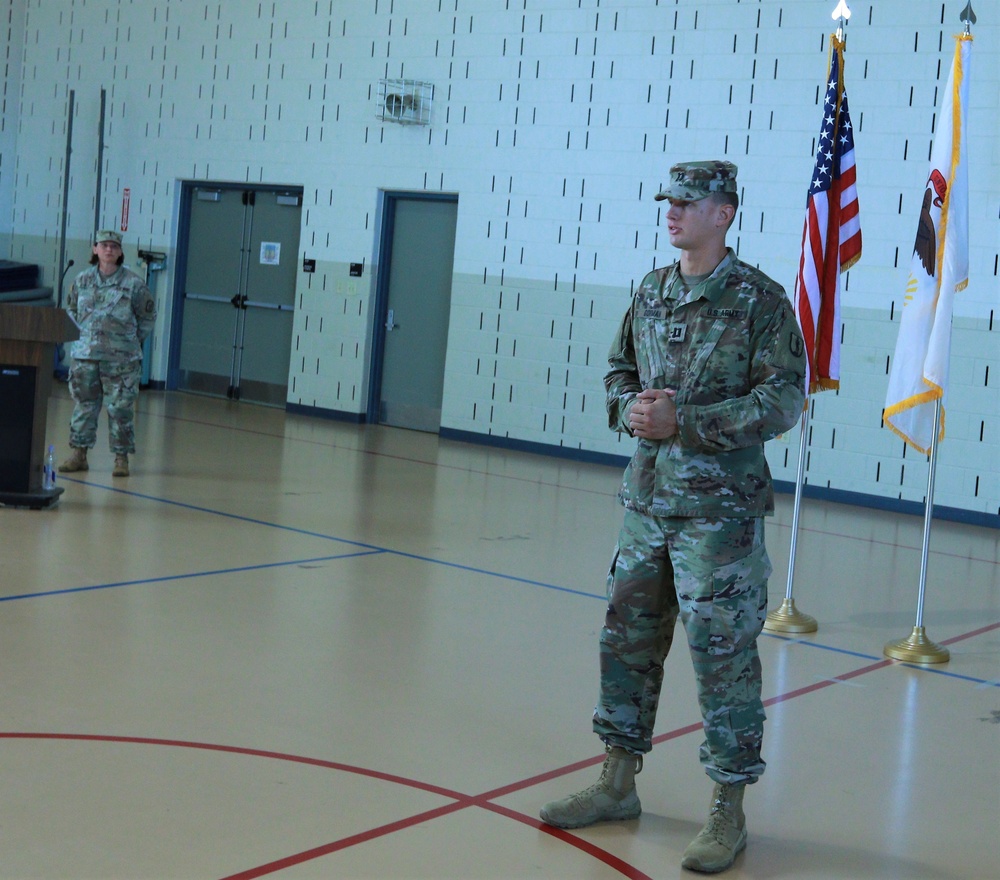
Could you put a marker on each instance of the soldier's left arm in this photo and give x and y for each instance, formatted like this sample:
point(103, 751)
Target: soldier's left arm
point(144, 307)
point(776, 394)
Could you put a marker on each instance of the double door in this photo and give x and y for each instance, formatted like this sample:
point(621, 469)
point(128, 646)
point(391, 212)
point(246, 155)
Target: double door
point(239, 292)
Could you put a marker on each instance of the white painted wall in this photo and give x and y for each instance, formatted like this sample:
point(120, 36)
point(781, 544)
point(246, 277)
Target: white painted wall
point(11, 48)
point(555, 121)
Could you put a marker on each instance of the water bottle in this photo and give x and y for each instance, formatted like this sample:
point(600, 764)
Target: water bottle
point(49, 471)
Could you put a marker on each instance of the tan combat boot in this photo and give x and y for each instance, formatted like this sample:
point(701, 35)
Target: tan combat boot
point(724, 835)
point(121, 466)
point(613, 796)
point(77, 461)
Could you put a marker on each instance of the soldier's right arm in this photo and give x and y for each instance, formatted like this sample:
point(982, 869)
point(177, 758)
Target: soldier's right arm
point(622, 382)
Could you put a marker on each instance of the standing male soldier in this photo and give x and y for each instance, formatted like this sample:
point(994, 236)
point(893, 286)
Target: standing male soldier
point(707, 365)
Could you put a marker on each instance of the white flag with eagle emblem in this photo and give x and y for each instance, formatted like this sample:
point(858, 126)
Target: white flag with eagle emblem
point(939, 267)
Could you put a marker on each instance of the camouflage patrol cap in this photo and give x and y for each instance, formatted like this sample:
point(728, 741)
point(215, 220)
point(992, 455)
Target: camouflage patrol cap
point(107, 235)
point(692, 181)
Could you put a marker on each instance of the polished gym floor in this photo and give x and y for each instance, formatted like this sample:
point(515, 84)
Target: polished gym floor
point(297, 648)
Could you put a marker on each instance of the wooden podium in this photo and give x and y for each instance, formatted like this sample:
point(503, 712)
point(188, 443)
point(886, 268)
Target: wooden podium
point(28, 337)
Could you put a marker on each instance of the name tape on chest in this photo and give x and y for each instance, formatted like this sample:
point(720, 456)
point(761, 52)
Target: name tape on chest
point(677, 331)
point(659, 313)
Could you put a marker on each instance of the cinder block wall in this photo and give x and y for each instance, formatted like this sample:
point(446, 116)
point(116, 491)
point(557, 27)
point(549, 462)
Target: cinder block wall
point(555, 122)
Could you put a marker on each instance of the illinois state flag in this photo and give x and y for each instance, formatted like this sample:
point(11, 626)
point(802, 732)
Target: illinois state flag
point(831, 233)
point(939, 267)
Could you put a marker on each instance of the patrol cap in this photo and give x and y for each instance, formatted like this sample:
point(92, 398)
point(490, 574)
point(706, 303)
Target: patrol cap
point(107, 235)
point(693, 181)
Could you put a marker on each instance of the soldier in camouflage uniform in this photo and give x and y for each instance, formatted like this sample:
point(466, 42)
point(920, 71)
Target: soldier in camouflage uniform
point(115, 312)
point(707, 365)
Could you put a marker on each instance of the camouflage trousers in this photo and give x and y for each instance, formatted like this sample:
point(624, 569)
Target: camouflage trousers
point(712, 573)
point(92, 383)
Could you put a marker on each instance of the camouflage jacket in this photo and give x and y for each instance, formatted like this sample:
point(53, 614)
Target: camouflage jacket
point(732, 350)
point(115, 314)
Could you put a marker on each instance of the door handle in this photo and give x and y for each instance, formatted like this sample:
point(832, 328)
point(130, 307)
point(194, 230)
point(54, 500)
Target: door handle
point(390, 324)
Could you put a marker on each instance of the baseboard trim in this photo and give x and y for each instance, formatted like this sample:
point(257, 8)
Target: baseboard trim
point(785, 487)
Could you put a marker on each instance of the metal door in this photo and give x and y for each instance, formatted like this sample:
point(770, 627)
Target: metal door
point(239, 293)
point(418, 246)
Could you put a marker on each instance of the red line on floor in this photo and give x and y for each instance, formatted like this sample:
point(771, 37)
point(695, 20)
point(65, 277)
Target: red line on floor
point(969, 635)
point(612, 861)
point(237, 750)
point(459, 801)
point(345, 842)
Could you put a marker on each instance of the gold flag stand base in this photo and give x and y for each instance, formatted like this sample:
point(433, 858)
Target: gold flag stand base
point(789, 619)
point(917, 648)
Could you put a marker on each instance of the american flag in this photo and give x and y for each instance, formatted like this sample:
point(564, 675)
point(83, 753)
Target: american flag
point(831, 234)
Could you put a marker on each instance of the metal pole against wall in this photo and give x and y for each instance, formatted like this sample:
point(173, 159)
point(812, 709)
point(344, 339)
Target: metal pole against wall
point(100, 165)
point(65, 198)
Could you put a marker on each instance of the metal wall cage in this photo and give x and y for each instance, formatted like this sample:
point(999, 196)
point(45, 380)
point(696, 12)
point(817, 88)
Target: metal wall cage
point(406, 101)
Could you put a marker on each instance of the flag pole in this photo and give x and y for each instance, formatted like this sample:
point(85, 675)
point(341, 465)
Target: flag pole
point(949, 266)
point(787, 618)
point(917, 648)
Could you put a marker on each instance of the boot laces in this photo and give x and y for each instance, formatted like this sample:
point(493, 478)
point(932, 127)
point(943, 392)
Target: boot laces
point(720, 821)
point(604, 784)
point(629, 756)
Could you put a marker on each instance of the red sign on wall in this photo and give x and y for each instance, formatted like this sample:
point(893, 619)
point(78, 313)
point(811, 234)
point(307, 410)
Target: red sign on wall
point(126, 198)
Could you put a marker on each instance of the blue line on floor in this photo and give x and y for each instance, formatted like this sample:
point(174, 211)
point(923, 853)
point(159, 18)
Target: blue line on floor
point(188, 576)
point(820, 646)
point(372, 547)
point(379, 550)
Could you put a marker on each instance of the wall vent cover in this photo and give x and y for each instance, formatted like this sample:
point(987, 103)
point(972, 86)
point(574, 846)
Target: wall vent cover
point(406, 101)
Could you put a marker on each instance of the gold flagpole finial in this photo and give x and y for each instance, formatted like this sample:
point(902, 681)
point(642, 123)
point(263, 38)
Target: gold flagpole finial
point(968, 16)
point(842, 12)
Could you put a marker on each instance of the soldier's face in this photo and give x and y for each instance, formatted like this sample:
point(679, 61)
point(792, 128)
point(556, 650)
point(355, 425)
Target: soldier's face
point(108, 253)
point(693, 224)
